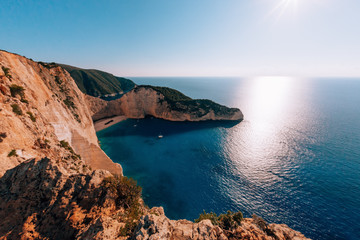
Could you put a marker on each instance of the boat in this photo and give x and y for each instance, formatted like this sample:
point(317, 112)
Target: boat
point(160, 136)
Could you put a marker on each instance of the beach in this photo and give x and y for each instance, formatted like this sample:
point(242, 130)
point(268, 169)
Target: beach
point(107, 122)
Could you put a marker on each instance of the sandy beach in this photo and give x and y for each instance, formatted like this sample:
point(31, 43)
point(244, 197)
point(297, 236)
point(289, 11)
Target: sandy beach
point(107, 122)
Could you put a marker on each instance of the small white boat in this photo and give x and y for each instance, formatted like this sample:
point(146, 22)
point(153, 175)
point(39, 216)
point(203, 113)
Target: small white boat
point(160, 136)
point(135, 125)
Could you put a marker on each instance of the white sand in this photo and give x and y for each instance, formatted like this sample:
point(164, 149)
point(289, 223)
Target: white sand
point(100, 124)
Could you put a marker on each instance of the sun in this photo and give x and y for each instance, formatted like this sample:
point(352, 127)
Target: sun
point(285, 6)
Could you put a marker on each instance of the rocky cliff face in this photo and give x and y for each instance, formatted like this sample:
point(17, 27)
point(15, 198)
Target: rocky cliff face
point(48, 150)
point(40, 106)
point(145, 100)
point(155, 225)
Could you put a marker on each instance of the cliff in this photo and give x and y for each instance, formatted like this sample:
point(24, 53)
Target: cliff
point(164, 103)
point(53, 183)
point(40, 106)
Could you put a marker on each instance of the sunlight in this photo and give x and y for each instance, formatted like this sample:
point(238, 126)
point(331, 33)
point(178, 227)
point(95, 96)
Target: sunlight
point(283, 6)
point(268, 100)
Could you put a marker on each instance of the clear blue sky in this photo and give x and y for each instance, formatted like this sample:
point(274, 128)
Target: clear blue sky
point(188, 37)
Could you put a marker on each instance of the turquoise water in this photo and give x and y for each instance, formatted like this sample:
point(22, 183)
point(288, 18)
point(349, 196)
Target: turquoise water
point(295, 159)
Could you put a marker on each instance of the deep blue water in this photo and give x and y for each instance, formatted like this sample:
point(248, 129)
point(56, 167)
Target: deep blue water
point(295, 159)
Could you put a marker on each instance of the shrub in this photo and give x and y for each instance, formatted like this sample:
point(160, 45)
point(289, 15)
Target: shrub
point(226, 221)
point(16, 90)
point(126, 190)
point(41, 143)
point(211, 216)
point(2, 136)
point(127, 195)
point(32, 117)
point(12, 153)
point(6, 72)
point(66, 145)
point(48, 65)
point(69, 103)
point(58, 80)
point(16, 109)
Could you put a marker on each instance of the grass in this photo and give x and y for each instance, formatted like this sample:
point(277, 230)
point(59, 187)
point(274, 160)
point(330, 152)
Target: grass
point(16, 109)
point(12, 153)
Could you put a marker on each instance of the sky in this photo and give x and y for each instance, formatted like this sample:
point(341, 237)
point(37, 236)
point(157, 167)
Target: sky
point(306, 38)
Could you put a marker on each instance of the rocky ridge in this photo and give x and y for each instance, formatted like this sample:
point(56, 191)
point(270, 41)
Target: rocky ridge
point(48, 150)
point(145, 101)
point(40, 106)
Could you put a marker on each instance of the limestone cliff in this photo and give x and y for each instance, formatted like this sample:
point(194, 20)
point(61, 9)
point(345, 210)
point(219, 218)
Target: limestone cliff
point(48, 150)
point(154, 101)
point(40, 106)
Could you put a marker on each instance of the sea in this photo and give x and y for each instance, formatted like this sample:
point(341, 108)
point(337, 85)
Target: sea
point(294, 159)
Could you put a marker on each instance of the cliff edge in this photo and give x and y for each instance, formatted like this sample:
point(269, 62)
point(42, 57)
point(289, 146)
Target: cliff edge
point(40, 108)
point(55, 181)
point(161, 102)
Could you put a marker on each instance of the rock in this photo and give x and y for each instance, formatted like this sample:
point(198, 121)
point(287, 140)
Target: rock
point(143, 101)
point(58, 111)
point(156, 225)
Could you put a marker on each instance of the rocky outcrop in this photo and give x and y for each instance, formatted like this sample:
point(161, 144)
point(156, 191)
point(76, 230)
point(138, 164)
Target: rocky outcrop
point(48, 150)
point(156, 225)
point(52, 199)
point(145, 101)
point(40, 103)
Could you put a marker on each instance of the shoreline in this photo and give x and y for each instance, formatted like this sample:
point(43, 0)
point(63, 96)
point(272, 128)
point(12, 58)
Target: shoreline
point(107, 122)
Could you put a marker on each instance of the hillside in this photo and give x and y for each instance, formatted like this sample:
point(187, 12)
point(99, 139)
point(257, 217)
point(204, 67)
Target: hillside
point(98, 83)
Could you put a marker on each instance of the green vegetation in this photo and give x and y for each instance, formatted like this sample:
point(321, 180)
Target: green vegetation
point(127, 196)
point(182, 103)
point(98, 83)
point(226, 221)
point(69, 102)
point(16, 90)
point(58, 80)
point(12, 153)
point(2, 136)
point(42, 143)
point(48, 65)
point(16, 109)
point(66, 145)
point(6, 72)
point(169, 93)
point(31, 115)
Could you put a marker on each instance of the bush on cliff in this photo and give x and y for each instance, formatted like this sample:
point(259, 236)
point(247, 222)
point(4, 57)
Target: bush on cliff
point(16, 90)
point(127, 195)
point(226, 221)
point(16, 109)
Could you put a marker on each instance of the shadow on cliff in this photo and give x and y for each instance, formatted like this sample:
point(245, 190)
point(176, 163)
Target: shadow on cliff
point(150, 127)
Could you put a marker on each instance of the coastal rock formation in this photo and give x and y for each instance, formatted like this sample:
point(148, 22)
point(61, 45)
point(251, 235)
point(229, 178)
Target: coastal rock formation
point(156, 225)
point(40, 106)
point(48, 150)
point(164, 103)
point(52, 199)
